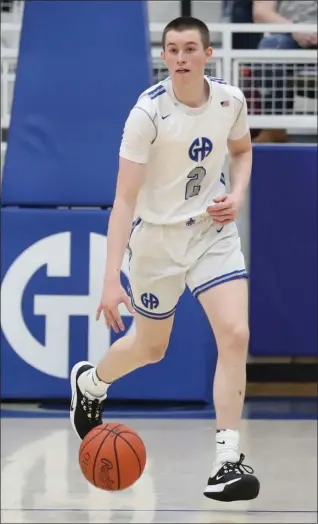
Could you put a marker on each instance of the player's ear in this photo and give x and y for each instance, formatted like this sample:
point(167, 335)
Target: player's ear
point(162, 54)
point(209, 53)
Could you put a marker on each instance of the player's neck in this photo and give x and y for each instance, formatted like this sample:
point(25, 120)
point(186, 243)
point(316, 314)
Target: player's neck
point(194, 94)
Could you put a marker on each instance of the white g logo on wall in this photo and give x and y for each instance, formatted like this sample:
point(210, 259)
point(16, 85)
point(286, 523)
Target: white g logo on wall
point(54, 252)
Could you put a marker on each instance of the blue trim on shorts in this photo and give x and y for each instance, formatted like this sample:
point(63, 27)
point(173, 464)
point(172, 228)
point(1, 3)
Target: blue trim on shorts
point(227, 277)
point(145, 313)
point(134, 225)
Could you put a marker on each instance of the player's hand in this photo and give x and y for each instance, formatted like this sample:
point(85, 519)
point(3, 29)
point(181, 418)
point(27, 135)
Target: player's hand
point(305, 39)
point(225, 208)
point(113, 295)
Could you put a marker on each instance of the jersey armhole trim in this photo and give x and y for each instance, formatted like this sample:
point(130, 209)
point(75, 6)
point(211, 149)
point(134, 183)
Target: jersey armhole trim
point(242, 104)
point(151, 119)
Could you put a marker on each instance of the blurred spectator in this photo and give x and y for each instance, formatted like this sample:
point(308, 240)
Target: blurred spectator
point(241, 12)
point(6, 6)
point(277, 83)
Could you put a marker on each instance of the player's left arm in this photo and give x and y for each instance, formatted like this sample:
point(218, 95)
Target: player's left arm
point(240, 165)
point(226, 206)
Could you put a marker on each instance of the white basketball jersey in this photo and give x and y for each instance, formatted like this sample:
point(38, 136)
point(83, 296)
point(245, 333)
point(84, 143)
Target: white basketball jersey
point(184, 149)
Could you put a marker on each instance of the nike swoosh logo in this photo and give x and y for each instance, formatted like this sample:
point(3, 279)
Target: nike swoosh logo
point(164, 117)
point(232, 481)
point(219, 230)
point(222, 442)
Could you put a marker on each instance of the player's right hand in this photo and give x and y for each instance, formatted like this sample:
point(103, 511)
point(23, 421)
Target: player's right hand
point(113, 295)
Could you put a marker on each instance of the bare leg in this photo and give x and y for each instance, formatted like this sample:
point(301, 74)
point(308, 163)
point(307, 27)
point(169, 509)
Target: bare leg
point(89, 385)
point(148, 345)
point(226, 306)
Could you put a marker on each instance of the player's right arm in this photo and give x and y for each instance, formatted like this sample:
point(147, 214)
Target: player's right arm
point(129, 180)
point(139, 133)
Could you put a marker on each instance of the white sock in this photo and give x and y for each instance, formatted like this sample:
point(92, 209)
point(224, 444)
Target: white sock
point(227, 446)
point(90, 383)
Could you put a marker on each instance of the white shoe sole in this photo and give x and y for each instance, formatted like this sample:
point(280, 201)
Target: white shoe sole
point(74, 392)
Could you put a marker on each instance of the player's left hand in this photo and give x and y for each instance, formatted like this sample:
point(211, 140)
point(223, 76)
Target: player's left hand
point(225, 208)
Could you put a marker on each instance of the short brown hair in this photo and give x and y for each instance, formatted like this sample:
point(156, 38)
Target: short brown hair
point(184, 23)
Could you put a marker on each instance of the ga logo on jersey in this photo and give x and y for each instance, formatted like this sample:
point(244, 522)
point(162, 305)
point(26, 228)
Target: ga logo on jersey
point(200, 149)
point(149, 300)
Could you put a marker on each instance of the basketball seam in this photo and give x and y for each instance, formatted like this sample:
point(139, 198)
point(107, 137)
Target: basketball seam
point(95, 460)
point(100, 447)
point(132, 449)
point(132, 432)
point(117, 461)
point(94, 436)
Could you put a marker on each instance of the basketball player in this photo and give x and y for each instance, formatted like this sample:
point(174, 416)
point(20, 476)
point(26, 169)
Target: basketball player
point(170, 176)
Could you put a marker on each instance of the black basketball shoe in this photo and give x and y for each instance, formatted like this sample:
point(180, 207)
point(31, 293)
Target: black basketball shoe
point(86, 410)
point(233, 481)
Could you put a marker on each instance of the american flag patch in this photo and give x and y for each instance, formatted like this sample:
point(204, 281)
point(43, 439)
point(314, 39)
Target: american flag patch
point(225, 103)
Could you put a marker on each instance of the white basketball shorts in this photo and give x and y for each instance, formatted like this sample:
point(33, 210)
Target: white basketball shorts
point(164, 259)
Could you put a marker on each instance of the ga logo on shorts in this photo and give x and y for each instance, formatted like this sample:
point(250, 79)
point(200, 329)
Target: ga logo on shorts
point(200, 148)
point(149, 300)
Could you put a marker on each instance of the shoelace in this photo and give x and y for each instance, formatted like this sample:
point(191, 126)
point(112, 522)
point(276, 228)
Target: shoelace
point(93, 408)
point(239, 467)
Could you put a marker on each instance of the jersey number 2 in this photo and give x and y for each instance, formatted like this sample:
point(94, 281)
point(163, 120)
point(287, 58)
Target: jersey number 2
point(194, 184)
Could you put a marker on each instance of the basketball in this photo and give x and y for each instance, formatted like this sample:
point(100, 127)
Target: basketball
point(112, 457)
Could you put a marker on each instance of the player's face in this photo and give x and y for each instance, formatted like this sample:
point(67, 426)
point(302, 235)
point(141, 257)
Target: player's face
point(185, 55)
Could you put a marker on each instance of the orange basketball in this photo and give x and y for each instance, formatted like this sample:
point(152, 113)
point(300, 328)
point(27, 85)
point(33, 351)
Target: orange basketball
point(112, 457)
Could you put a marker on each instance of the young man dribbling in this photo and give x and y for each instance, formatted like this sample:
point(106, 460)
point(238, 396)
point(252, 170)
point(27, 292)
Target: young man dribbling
point(170, 184)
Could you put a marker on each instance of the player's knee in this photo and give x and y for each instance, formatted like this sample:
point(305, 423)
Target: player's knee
point(236, 336)
point(153, 352)
point(156, 351)
point(241, 336)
